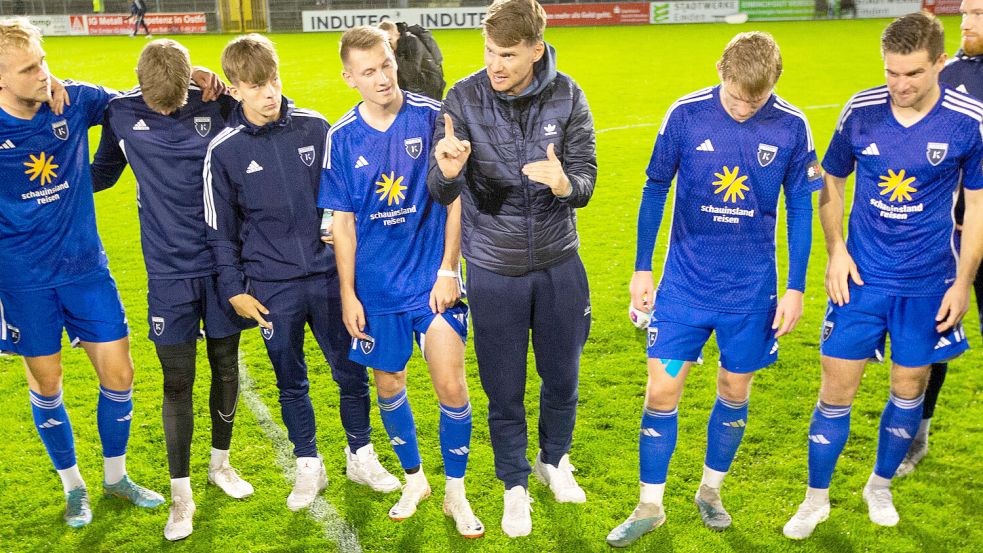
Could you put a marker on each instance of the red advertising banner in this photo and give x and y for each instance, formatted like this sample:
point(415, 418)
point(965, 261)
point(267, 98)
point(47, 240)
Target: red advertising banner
point(941, 7)
point(159, 23)
point(620, 13)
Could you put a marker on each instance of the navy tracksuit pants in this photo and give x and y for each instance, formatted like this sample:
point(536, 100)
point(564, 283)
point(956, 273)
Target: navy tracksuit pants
point(554, 304)
point(316, 302)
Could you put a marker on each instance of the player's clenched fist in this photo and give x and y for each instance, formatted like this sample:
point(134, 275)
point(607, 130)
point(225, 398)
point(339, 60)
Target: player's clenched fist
point(450, 152)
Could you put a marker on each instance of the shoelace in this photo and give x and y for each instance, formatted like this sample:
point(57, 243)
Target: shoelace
point(565, 471)
point(514, 508)
point(77, 502)
point(881, 495)
point(228, 473)
point(182, 510)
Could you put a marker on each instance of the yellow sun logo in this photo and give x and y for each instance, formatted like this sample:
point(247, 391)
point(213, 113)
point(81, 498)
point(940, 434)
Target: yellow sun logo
point(731, 183)
point(899, 186)
point(390, 188)
point(43, 166)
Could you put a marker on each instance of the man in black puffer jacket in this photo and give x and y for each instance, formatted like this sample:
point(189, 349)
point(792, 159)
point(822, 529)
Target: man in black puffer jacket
point(518, 145)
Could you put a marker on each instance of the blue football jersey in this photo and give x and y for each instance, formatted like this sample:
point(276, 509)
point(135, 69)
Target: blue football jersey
point(47, 215)
point(167, 155)
point(381, 177)
point(729, 176)
point(901, 228)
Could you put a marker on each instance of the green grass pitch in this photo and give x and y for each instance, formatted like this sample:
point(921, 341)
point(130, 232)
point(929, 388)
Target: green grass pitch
point(631, 75)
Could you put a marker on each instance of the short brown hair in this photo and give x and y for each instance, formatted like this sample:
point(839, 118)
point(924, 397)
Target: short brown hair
point(18, 32)
point(250, 59)
point(509, 22)
point(753, 61)
point(362, 38)
point(164, 71)
point(387, 25)
point(914, 32)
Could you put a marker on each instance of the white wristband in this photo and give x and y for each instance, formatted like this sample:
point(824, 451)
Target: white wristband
point(446, 273)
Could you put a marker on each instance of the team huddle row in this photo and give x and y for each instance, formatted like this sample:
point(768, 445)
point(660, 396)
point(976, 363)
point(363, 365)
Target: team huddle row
point(256, 212)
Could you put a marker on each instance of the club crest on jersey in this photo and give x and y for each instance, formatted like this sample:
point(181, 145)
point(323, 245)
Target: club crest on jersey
point(827, 329)
point(936, 152)
point(14, 334)
point(158, 324)
point(60, 128)
point(414, 146)
point(366, 346)
point(653, 335)
point(267, 333)
point(203, 126)
point(766, 154)
point(306, 155)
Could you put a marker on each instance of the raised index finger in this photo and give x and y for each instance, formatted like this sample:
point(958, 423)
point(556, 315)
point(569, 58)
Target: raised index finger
point(448, 126)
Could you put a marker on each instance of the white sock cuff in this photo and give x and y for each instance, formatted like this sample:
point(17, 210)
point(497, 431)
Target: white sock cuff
point(902, 403)
point(46, 402)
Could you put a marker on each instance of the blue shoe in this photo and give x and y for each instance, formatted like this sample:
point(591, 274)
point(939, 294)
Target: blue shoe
point(644, 519)
point(129, 490)
point(77, 511)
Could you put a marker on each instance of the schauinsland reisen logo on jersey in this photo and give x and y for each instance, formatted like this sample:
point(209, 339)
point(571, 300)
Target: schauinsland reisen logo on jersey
point(730, 187)
point(41, 169)
point(731, 183)
point(391, 189)
point(896, 188)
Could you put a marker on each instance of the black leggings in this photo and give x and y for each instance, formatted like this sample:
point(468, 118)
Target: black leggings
point(178, 364)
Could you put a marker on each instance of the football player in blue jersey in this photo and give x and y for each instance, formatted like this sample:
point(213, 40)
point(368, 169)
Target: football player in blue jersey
point(261, 185)
point(162, 129)
point(55, 275)
point(897, 273)
point(398, 255)
point(733, 149)
point(963, 72)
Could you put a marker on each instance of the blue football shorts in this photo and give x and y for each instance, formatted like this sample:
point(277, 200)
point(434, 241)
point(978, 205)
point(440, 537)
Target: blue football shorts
point(746, 340)
point(392, 335)
point(858, 329)
point(90, 310)
point(176, 309)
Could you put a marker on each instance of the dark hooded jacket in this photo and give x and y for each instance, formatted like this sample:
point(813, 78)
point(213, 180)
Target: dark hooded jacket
point(511, 225)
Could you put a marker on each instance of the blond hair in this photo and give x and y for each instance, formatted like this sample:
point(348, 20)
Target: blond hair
point(250, 59)
point(753, 61)
point(509, 22)
point(18, 33)
point(164, 71)
point(362, 38)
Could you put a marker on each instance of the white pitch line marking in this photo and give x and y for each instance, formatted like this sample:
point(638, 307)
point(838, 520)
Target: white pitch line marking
point(322, 511)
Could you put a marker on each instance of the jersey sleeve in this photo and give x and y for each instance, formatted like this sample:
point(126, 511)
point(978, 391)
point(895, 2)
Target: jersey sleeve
point(972, 164)
point(333, 192)
point(661, 170)
point(222, 225)
point(804, 175)
point(91, 98)
point(110, 159)
point(839, 160)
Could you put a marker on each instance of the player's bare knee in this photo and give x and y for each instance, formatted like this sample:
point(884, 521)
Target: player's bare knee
point(909, 382)
point(389, 384)
point(732, 386)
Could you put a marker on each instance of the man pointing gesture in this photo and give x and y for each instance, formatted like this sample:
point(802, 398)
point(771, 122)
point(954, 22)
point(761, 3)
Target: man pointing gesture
point(450, 152)
point(516, 126)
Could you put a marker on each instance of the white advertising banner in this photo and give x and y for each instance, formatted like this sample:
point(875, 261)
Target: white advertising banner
point(53, 25)
point(693, 11)
point(428, 18)
point(887, 8)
